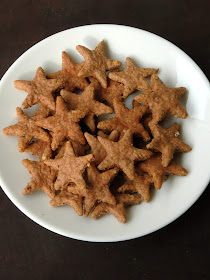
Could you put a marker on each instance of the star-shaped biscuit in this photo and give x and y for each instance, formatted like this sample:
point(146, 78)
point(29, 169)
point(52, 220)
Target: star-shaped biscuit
point(163, 100)
point(69, 73)
point(42, 112)
point(140, 185)
point(86, 101)
point(79, 150)
point(40, 148)
point(125, 119)
point(122, 154)
point(97, 149)
point(133, 78)
point(67, 198)
point(26, 129)
point(40, 89)
point(167, 142)
point(42, 178)
point(107, 95)
point(98, 188)
point(119, 210)
point(155, 169)
point(64, 124)
point(70, 168)
point(96, 63)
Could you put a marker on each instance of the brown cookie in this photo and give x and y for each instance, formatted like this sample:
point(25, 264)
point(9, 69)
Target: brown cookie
point(69, 74)
point(97, 149)
point(26, 129)
point(107, 95)
point(122, 154)
point(41, 149)
point(140, 184)
point(167, 142)
point(162, 100)
point(67, 198)
point(64, 124)
point(96, 63)
point(40, 89)
point(98, 188)
point(153, 166)
point(70, 168)
point(42, 112)
point(42, 178)
point(85, 101)
point(79, 150)
point(125, 119)
point(133, 77)
point(117, 210)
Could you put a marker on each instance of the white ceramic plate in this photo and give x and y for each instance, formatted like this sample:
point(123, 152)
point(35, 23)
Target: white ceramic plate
point(148, 50)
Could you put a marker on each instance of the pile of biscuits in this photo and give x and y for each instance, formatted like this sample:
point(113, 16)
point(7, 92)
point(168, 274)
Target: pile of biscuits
point(98, 167)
